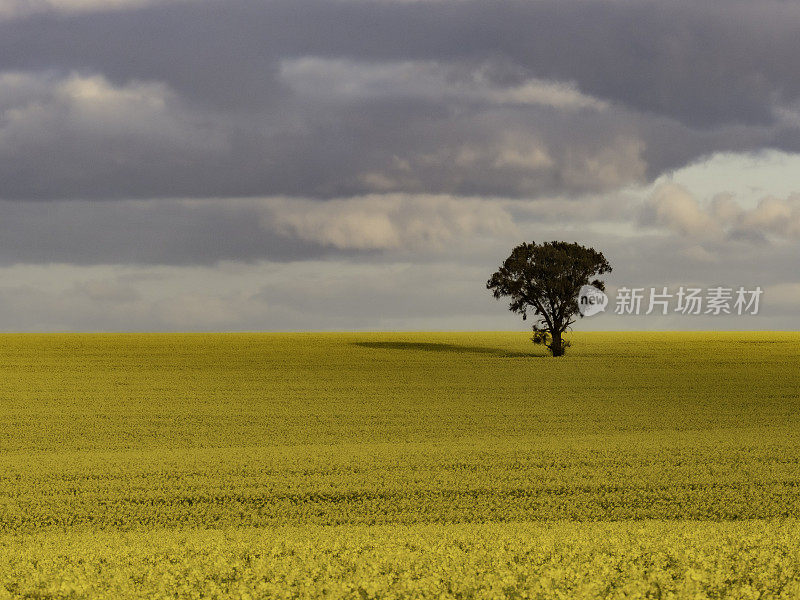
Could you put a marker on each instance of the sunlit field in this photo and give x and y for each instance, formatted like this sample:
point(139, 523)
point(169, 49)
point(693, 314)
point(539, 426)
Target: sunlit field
point(400, 465)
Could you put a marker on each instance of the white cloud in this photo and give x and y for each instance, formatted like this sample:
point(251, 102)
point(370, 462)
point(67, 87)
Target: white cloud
point(392, 221)
point(347, 80)
point(749, 176)
point(513, 151)
point(775, 216)
point(700, 254)
point(674, 207)
point(616, 163)
point(35, 108)
point(62, 133)
point(106, 291)
point(21, 8)
point(532, 163)
point(725, 208)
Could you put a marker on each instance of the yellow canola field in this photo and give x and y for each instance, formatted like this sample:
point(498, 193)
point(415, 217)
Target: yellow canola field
point(399, 465)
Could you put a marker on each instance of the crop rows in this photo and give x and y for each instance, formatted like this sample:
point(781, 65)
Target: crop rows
point(399, 465)
point(648, 559)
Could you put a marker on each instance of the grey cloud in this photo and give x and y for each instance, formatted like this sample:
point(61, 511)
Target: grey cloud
point(15, 9)
point(79, 136)
point(504, 151)
point(245, 297)
point(702, 62)
point(341, 294)
point(169, 232)
point(374, 228)
point(78, 309)
point(329, 99)
point(206, 232)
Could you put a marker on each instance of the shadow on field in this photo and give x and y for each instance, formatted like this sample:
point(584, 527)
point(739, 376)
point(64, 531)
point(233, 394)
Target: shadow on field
point(443, 347)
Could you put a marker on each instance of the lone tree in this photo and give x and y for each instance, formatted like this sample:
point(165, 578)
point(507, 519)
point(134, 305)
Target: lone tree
point(544, 279)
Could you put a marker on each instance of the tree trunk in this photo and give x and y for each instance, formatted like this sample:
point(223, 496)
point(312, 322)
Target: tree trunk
point(557, 346)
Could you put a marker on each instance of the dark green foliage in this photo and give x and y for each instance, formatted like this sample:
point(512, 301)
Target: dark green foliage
point(544, 280)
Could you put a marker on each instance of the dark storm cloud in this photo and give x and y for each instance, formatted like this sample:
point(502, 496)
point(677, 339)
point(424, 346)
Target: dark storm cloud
point(81, 137)
point(142, 232)
point(703, 62)
point(683, 79)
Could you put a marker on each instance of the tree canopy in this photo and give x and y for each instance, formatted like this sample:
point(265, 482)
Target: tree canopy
point(544, 280)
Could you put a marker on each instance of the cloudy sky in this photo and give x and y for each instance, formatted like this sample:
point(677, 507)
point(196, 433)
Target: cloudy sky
point(367, 164)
